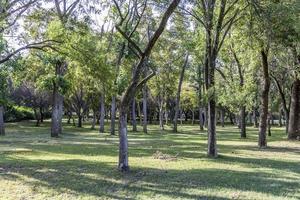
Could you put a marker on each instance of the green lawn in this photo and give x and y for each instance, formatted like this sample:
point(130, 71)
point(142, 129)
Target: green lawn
point(82, 165)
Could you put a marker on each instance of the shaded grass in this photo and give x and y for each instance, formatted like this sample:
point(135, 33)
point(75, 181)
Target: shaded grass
point(81, 164)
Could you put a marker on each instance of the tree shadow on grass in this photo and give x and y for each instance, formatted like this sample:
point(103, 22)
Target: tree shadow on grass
point(103, 180)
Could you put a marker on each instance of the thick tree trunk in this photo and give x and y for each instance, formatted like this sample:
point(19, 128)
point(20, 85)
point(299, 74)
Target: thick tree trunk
point(133, 113)
point(243, 121)
point(58, 101)
point(113, 116)
point(57, 113)
point(145, 120)
point(212, 140)
point(2, 128)
point(294, 117)
point(179, 93)
point(102, 113)
point(123, 142)
point(262, 141)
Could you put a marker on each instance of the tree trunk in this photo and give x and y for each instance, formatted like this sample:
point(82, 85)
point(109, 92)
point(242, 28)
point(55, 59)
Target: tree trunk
point(42, 114)
point(193, 117)
point(269, 124)
point(57, 113)
point(206, 116)
point(37, 117)
point(280, 118)
point(145, 94)
point(133, 113)
point(294, 117)
point(178, 93)
point(166, 117)
point(94, 120)
point(243, 121)
point(161, 120)
point(102, 113)
point(58, 100)
point(2, 127)
point(123, 142)
point(262, 141)
point(113, 116)
point(255, 121)
point(139, 113)
point(222, 117)
point(79, 124)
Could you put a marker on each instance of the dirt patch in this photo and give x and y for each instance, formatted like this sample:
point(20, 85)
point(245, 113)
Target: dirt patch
point(161, 156)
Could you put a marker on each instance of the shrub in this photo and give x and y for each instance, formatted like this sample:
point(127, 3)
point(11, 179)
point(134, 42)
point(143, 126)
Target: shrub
point(15, 113)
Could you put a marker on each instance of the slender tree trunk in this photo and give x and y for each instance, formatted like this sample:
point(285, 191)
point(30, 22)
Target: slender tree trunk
point(255, 121)
point(262, 141)
point(206, 116)
point(37, 117)
point(139, 113)
point(145, 121)
point(294, 117)
point(41, 114)
point(94, 120)
point(269, 124)
point(161, 115)
point(79, 125)
point(193, 117)
point(179, 93)
point(243, 121)
point(133, 113)
point(280, 118)
point(102, 113)
point(113, 116)
point(2, 127)
point(222, 117)
point(166, 117)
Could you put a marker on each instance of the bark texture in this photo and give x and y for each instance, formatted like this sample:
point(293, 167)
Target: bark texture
point(102, 113)
point(113, 116)
point(262, 140)
point(2, 127)
point(133, 113)
point(294, 117)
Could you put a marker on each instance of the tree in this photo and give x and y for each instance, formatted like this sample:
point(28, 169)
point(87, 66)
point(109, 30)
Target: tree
point(135, 83)
point(216, 26)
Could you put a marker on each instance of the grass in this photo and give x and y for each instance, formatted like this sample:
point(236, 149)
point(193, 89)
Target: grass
point(81, 164)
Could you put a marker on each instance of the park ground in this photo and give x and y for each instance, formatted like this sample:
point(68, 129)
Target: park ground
point(81, 164)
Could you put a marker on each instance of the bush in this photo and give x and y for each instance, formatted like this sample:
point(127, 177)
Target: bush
point(15, 113)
